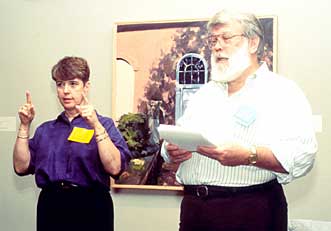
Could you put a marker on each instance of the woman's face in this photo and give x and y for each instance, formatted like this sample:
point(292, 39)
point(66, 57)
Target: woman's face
point(70, 92)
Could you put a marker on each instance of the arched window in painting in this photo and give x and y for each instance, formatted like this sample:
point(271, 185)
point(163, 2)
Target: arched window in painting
point(191, 74)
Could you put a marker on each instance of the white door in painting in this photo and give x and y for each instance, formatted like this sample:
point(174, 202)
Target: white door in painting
point(124, 88)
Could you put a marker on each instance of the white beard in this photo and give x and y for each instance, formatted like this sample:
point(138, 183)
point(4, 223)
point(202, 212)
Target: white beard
point(237, 64)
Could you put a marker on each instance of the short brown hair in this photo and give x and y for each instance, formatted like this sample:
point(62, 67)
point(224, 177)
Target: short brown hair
point(70, 68)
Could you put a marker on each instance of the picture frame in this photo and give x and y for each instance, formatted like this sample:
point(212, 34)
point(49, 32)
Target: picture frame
point(145, 55)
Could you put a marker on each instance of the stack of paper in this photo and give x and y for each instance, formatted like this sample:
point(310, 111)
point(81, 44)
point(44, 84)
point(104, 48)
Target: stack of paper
point(184, 138)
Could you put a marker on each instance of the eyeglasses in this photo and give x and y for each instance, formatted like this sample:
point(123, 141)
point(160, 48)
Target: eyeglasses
point(224, 38)
point(72, 84)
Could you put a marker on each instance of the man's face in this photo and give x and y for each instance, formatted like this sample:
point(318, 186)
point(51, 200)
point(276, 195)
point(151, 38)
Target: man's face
point(70, 92)
point(230, 54)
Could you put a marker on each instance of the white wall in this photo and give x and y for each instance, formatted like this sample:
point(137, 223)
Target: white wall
point(37, 33)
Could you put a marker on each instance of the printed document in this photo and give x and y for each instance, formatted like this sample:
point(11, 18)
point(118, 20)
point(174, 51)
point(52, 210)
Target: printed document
point(184, 138)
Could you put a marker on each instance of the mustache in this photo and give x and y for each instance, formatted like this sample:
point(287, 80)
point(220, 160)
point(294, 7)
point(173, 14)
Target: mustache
point(219, 56)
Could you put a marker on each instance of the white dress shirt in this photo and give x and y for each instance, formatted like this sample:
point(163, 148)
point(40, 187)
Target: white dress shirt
point(269, 111)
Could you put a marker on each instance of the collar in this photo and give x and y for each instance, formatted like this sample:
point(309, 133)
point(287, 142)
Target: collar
point(263, 68)
point(63, 118)
point(259, 73)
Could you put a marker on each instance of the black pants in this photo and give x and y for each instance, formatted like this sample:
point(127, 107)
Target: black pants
point(263, 210)
point(75, 209)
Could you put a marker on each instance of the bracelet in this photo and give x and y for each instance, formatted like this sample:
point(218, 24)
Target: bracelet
point(22, 137)
point(22, 129)
point(104, 132)
point(101, 139)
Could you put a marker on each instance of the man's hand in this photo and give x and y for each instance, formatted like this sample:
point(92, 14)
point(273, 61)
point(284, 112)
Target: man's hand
point(227, 154)
point(87, 111)
point(27, 112)
point(176, 154)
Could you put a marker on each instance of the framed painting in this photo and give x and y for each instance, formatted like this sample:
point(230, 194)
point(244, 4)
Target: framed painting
point(145, 84)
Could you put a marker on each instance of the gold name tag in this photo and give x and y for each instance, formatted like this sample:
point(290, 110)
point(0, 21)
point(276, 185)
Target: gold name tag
point(81, 135)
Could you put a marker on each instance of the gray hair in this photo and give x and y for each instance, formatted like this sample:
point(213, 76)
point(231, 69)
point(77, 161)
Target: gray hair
point(251, 26)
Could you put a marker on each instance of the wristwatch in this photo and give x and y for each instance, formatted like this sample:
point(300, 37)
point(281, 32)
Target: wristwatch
point(252, 159)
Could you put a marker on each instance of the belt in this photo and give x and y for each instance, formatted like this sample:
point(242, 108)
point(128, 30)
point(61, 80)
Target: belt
point(62, 185)
point(205, 191)
point(69, 186)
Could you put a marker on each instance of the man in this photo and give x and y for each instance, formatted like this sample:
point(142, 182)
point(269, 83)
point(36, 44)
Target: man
point(261, 126)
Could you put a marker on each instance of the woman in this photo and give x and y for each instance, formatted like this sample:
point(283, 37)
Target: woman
point(72, 156)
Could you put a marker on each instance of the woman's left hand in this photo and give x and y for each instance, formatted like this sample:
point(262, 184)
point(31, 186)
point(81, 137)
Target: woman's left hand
point(87, 111)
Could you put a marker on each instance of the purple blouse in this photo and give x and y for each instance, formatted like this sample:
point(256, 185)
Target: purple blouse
point(55, 158)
